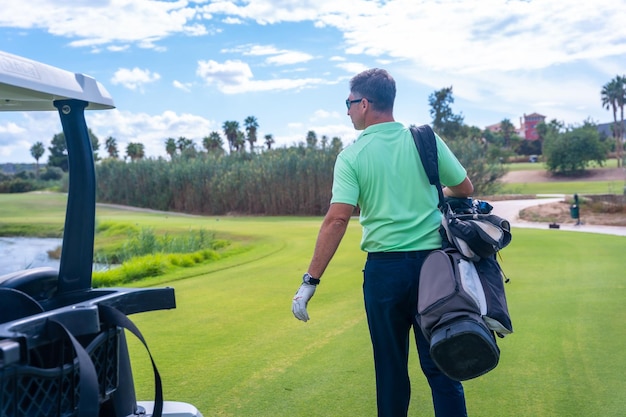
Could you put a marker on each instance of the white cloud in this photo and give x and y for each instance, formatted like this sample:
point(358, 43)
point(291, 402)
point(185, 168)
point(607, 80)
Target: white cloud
point(16, 137)
point(134, 79)
point(182, 86)
point(235, 77)
point(232, 21)
point(229, 73)
point(10, 128)
point(352, 67)
point(98, 23)
point(151, 130)
point(20, 131)
point(289, 58)
point(276, 56)
point(459, 36)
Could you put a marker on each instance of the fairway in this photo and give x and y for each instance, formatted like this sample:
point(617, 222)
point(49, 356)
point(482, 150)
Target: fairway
point(233, 348)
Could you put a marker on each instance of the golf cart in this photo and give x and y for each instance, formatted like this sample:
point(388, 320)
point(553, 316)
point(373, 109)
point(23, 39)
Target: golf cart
point(63, 349)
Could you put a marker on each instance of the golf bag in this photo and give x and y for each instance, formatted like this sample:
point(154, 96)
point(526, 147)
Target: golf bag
point(450, 310)
point(461, 300)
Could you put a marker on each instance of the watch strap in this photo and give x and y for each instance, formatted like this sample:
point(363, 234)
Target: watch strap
point(307, 278)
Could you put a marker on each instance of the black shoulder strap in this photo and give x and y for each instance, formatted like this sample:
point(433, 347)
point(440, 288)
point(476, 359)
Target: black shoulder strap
point(115, 317)
point(88, 401)
point(426, 144)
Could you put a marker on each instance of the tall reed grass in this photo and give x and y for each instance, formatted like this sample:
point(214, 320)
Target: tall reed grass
point(288, 181)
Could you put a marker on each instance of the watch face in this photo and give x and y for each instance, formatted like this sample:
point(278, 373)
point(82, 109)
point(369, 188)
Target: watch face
point(310, 280)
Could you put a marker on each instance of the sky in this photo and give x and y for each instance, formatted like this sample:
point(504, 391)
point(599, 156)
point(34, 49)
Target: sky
point(183, 68)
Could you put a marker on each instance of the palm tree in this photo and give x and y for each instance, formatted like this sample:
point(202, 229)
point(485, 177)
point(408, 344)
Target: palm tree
point(324, 142)
point(213, 143)
point(183, 144)
point(611, 93)
point(37, 151)
point(231, 130)
point(508, 130)
point(135, 151)
point(170, 147)
point(251, 125)
point(336, 145)
point(269, 141)
point(240, 142)
point(311, 139)
point(111, 145)
point(621, 101)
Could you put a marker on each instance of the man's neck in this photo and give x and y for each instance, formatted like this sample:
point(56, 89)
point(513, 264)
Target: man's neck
point(376, 118)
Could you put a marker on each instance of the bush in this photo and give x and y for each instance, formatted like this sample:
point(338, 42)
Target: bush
point(571, 151)
point(17, 185)
point(51, 174)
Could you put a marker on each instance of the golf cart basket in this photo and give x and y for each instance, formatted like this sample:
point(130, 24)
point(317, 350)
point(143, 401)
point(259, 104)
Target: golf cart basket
point(63, 349)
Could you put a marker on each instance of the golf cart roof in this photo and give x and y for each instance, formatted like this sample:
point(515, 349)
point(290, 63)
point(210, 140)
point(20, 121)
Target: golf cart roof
point(27, 85)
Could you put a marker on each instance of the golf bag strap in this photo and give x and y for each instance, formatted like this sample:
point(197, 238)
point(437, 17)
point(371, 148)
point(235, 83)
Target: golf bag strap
point(88, 401)
point(113, 316)
point(426, 144)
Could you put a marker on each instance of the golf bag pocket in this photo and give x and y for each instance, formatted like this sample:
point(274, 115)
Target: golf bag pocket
point(450, 312)
point(464, 348)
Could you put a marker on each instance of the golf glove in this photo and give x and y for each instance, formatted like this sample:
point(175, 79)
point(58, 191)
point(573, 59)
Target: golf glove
point(302, 297)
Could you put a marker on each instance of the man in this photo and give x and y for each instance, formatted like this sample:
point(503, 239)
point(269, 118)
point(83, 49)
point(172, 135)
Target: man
point(381, 173)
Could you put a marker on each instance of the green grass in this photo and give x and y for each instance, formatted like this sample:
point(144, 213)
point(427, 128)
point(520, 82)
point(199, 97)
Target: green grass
point(535, 166)
point(564, 187)
point(561, 187)
point(233, 348)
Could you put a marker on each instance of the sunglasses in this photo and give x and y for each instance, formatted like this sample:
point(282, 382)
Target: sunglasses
point(351, 102)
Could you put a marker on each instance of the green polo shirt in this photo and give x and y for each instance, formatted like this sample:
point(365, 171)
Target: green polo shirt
point(382, 173)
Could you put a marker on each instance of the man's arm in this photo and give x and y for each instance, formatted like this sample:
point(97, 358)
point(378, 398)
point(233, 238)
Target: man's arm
point(462, 190)
point(331, 232)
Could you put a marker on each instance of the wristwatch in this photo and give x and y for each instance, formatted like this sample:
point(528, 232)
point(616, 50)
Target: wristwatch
point(308, 279)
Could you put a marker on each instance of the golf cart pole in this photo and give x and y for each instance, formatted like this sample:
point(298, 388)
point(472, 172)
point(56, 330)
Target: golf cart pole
point(78, 236)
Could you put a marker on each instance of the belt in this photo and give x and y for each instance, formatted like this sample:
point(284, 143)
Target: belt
point(414, 254)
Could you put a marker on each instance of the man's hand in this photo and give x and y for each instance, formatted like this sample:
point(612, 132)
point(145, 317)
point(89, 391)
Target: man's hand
point(302, 297)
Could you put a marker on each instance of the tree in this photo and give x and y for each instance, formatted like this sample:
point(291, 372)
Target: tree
point(445, 123)
point(111, 145)
point(182, 143)
point(95, 144)
point(251, 125)
point(231, 130)
point(37, 151)
point(57, 156)
point(324, 141)
point(213, 143)
point(570, 151)
point(508, 131)
point(311, 139)
point(240, 142)
point(170, 147)
point(135, 151)
point(336, 145)
point(269, 141)
point(58, 150)
point(186, 147)
point(621, 101)
point(613, 96)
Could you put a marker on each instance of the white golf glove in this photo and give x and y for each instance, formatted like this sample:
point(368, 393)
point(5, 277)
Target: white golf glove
point(302, 297)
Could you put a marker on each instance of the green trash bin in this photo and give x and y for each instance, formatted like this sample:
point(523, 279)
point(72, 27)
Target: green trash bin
point(574, 211)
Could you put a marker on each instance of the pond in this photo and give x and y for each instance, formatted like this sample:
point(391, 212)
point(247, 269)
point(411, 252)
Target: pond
point(17, 253)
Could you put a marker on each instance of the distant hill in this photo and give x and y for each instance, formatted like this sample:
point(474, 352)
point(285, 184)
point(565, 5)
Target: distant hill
point(14, 168)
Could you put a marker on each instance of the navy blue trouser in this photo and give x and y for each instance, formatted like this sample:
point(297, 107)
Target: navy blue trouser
point(390, 288)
